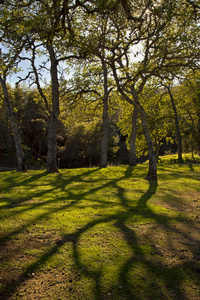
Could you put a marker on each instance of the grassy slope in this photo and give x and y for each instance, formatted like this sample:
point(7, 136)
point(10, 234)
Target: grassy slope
point(100, 234)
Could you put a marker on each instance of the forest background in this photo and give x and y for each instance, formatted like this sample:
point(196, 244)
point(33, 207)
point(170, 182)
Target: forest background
point(124, 82)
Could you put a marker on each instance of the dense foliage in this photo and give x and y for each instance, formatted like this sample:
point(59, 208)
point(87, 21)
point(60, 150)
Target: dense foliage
point(79, 130)
point(117, 68)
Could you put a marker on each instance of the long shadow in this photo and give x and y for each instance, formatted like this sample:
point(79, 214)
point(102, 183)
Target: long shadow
point(61, 183)
point(14, 181)
point(126, 290)
point(180, 174)
point(159, 271)
point(156, 270)
point(34, 267)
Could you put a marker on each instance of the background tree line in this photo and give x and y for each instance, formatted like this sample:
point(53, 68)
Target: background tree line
point(131, 69)
point(80, 125)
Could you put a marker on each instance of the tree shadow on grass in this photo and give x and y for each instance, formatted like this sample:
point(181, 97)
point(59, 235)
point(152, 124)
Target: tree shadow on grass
point(163, 281)
point(60, 183)
point(153, 278)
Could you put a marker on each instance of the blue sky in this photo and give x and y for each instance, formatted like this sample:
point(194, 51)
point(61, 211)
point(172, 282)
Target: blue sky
point(25, 69)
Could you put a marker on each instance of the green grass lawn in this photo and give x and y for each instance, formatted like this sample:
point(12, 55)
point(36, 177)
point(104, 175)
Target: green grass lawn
point(101, 233)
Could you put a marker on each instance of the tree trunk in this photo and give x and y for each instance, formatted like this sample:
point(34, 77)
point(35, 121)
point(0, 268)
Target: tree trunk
point(19, 152)
point(178, 133)
point(198, 132)
point(104, 140)
point(132, 152)
point(52, 146)
point(53, 120)
point(152, 174)
point(157, 148)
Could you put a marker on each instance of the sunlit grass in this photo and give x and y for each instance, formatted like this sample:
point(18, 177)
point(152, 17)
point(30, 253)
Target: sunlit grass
point(101, 233)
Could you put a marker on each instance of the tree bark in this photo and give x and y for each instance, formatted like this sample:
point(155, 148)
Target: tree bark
point(15, 130)
point(104, 140)
point(132, 152)
point(198, 132)
point(53, 120)
point(178, 133)
point(152, 174)
point(52, 145)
